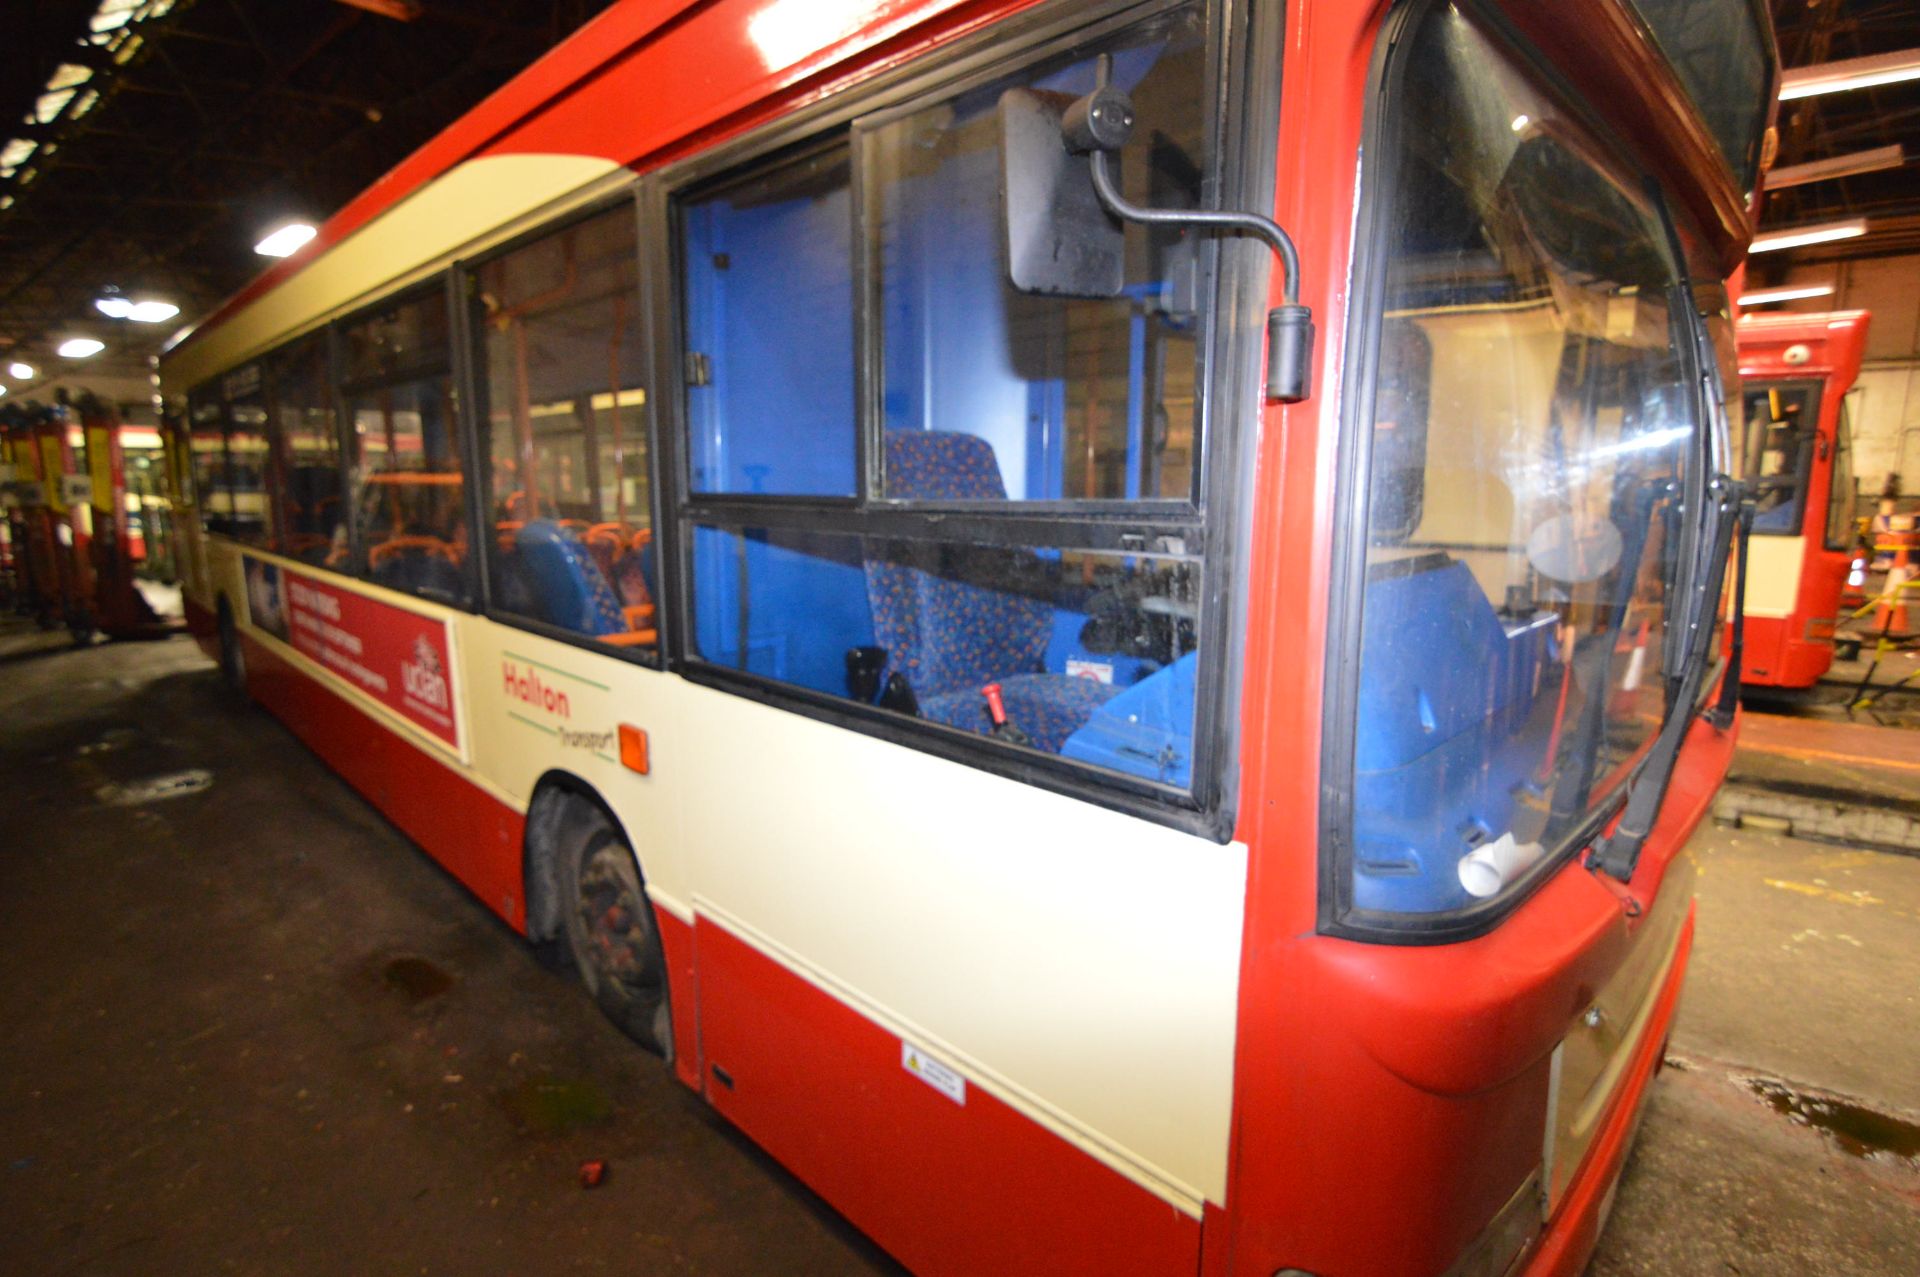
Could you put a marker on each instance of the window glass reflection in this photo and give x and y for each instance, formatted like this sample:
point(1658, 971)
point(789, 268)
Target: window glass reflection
point(1530, 430)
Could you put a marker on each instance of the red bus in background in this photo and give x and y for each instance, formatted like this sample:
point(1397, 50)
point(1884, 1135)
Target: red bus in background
point(1795, 372)
point(833, 512)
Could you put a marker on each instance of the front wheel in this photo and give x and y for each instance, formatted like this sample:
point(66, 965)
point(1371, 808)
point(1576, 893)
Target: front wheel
point(612, 935)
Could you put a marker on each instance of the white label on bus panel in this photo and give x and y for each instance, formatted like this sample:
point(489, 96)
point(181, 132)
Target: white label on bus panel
point(933, 1073)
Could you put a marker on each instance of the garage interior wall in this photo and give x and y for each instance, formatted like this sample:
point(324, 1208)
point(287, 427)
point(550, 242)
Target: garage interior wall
point(1885, 403)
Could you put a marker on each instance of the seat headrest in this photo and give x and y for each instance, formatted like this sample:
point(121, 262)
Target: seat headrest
point(940, 465)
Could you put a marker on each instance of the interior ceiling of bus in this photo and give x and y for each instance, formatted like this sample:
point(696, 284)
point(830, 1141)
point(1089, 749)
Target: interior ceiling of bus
point(227, 117)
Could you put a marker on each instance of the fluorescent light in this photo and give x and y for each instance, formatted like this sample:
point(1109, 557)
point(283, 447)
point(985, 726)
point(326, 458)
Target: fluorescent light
point(80, 348)
point(1801, 236)
point(22, 372)
point(69, 75)
point(1850, 73)
point(286, 241)
point(1880, 157)
point(47, 107)
point(1520, 123)
point(1767, 296)
point(147, 312)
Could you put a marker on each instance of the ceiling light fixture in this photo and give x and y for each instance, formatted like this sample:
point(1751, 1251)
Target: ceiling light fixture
point(147, 312)
point(1850, 73)
point(80, 348)
point(286, 241)
point(1801, 236)
point(1880, 157)
point(20, 371)
point(1767, 296)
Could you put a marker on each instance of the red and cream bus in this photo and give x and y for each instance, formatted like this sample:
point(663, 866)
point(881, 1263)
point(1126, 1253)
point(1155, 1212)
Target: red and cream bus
point(1797, 458)
point(833, 513)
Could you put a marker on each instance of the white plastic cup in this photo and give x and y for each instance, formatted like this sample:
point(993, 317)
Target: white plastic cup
point(1491, 866)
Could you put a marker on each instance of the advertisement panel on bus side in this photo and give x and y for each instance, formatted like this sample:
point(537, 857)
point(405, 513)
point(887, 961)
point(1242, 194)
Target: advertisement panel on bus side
point(396, 656)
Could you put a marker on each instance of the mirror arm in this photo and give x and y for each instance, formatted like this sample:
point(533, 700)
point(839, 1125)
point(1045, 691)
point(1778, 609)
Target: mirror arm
point(1099, 124)
point(1289, 325)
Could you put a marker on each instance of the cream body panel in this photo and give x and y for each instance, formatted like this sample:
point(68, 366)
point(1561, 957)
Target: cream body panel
point(515, 742)
point(472, 200)
point(1081, 964)
point(1773, 574)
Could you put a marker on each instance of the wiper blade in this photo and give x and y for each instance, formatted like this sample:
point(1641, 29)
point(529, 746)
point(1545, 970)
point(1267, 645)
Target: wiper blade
point(1619, 853)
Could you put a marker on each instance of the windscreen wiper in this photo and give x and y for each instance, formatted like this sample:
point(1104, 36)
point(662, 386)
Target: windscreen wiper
point(1619, 852)
point(1571, 790)
point(1729, 703)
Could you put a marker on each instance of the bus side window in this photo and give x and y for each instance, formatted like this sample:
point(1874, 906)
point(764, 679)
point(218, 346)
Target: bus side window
point(564, 432)
point(312, 513)
point(769, 331)
point(1025, 625)
point(1080, 398)
point(249, 469)
point(207, 428)
point(408, 493)
point(1842, 494)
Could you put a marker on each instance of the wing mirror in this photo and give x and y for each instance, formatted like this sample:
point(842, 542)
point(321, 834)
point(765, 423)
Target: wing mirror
point(1063, 216)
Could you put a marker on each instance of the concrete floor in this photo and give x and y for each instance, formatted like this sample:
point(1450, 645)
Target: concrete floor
point(250, 1029)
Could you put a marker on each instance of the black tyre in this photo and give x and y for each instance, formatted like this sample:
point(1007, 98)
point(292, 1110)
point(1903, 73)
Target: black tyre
point(611, 933)
point(233, 658)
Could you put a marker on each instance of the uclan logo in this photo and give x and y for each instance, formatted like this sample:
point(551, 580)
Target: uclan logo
point(423, 677)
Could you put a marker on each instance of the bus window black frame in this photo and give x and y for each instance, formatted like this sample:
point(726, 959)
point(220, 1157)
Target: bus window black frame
point(1807, 444)
point(273, 361)
point(213, 392)
point(469, 337)
point(442, 282)
point(1382, 131)
point(462, 368)
point(1242, 123)
point(1846, 503)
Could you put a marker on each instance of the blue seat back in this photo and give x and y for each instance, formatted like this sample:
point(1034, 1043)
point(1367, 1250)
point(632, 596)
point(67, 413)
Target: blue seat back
point(943, 631)
point(566, 583)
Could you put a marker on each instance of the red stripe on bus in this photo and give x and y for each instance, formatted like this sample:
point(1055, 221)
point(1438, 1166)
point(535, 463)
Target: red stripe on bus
point(475, 836)
point(946, 1187)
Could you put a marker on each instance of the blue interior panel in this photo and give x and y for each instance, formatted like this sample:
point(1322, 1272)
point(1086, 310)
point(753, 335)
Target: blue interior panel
point(769, 306)
point(1146, 730)
point(803, 597)
point(1447, 738)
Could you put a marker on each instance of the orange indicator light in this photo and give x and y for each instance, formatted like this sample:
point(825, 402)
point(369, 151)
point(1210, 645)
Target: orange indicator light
point(633, 749)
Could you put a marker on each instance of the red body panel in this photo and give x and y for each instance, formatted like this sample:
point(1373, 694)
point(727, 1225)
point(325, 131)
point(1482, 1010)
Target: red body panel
point(475, 836)
point(1794, 651)
point(1388, 1101)
point(949, 1188)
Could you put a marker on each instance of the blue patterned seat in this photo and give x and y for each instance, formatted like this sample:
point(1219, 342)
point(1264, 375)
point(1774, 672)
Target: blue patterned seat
point(953, 618)
point(567, 585)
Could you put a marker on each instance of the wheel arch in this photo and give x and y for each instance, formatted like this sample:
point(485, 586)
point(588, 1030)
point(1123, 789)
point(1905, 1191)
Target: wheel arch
point(561, 801)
